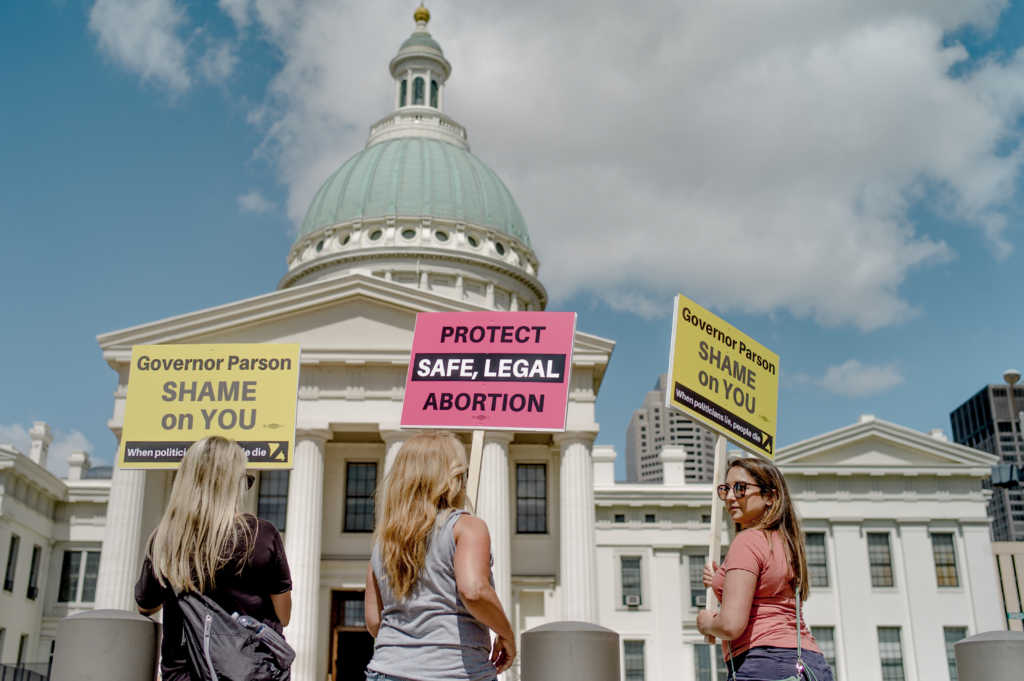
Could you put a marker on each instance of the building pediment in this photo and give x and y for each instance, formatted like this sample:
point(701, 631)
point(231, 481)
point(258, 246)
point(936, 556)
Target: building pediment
point(879, 447)
point(355, 318)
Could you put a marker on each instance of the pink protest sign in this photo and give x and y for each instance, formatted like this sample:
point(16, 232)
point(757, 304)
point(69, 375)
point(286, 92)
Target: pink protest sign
point(489, 370)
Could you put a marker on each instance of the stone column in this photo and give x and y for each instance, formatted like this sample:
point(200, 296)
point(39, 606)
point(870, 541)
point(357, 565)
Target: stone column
point(302, 544)
point(576, 531)
point(120, 561)
point(494, 508)
point(393, 441)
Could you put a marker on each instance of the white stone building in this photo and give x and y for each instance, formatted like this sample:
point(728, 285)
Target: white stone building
point(653, 427)
point(51, 531)
point(414, 222)
point(897, 545)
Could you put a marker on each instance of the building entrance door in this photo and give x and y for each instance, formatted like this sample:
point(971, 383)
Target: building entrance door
point(351, 645)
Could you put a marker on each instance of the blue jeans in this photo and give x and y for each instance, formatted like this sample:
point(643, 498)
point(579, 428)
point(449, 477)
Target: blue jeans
point(377, 676)
point(768, 663)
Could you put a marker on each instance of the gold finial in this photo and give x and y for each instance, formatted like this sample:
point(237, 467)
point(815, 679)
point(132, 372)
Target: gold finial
point(421, 14)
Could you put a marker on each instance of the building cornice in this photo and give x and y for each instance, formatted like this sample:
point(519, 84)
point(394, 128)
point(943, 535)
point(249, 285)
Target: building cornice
point(788, 457)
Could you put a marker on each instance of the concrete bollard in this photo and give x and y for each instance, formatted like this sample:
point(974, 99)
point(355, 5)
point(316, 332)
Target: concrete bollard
point(106, 645)
point(991, 656)
point(562, 651)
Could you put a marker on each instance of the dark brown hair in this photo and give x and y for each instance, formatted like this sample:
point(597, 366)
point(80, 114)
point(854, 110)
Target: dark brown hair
point(780, 516)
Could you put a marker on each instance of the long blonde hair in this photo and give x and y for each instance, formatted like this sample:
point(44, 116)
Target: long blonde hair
point(426, 482)
point(780, 517)
point(202, 524)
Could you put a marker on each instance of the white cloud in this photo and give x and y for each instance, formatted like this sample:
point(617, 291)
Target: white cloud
point(238, 10)
point(218, 62)
point(144, 36)
point(759, 157)
point(254, 202)
point(854, 379)
point(60, 449)
point(640, 304)
point(15, 434)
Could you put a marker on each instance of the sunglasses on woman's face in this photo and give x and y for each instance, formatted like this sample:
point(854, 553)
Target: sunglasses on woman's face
point(739, 489)
point(250, 480)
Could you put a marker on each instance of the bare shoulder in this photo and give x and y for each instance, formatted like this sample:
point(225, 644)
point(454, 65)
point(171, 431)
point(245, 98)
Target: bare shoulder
point(470, 527)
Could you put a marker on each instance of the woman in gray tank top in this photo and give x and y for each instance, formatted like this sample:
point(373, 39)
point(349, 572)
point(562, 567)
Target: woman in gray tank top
point(430, 599)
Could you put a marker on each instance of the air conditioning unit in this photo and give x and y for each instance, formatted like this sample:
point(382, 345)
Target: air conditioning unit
point(632, 601)
point(700, 601)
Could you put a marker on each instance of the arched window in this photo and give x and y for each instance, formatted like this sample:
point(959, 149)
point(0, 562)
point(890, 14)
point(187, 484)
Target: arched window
point(417, 91)
point(433, 93)
point(401, 93)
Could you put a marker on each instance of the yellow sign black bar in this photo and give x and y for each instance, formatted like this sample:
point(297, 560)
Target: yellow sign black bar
point(178, 394)
point(723, 378)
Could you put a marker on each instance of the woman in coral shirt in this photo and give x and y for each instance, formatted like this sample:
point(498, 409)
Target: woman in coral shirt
point(757, 583)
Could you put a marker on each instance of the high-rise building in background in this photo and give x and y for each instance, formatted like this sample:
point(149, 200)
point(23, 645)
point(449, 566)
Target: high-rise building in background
point(985, 422)
point(654, 426)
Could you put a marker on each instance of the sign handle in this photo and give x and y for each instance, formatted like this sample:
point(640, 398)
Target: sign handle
point(715, 544)
point(476, 454)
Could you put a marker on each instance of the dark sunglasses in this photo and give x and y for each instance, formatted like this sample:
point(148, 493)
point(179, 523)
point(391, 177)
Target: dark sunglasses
point(250, 480)
point(739, 489)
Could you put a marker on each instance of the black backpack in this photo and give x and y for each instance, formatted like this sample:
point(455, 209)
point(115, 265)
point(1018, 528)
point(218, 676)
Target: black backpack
point(223, 647)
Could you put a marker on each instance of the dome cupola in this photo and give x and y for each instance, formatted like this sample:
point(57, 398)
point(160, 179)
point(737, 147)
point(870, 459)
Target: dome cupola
point(415, 206)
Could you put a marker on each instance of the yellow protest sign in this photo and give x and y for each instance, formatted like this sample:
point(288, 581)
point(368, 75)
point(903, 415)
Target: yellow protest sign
point(178, 394)
point(723, 378)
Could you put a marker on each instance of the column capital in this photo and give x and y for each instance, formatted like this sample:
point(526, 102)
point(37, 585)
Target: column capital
point(587, 437)
point(392, 433)
point(318, 435)
point(499, 437)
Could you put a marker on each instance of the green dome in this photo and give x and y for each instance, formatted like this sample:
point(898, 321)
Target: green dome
point(415, 177)
point(421, 39)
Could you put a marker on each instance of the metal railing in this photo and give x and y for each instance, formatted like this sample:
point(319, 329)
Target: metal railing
point(26, 671)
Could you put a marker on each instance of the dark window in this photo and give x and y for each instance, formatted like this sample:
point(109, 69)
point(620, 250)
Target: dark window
point(945, 560)
point(22, 648)
point(92, 571)
point(353, 614)
point(649, 518)
point(360, 484)
point(272, 504)
point(817, 558)
point(697, 590)
point(631, 581)
point(633, 660)
point(433, 93)
point(531, 498)
point(880, 559)
point(708, 664)
point(952, 635)
point(826, 638)
point(402, 92)
point(890, 650)
point(12, 562)
point(73, 571)
point(620, 517)
point(417, 91)
point(69, 570)
point(33, 572)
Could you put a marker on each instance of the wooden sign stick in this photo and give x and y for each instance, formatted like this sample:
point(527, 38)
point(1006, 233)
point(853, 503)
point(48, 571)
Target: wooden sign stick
point(476, 454)
point(715, 544)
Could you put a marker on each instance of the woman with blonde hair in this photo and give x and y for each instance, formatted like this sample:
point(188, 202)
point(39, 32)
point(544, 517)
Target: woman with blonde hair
point(430, 598)
point(762, 582)
point(205, 544)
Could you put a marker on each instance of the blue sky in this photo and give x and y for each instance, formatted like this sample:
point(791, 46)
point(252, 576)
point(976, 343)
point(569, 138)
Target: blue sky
point(853, 200)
